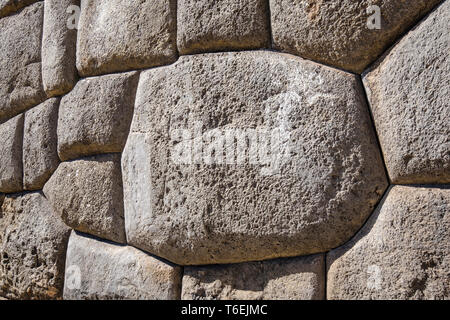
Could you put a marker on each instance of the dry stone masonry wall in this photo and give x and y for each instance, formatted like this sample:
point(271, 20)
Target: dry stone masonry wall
point(232, 149)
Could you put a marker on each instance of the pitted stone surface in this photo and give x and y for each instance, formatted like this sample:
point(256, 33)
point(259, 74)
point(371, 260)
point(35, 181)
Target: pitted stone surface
point(205, 25)
point(33, 243)
point(20, 61)
point(300, 278)
point(87, 194)
point(408, 91)
point(8, 7)
point(310, 193)
point(402, 252)
point(336, 32)
point(95, 116)
point(40, 157)
point(59, 72)
point(111, 271)
point(11, 133)
point(121, 35)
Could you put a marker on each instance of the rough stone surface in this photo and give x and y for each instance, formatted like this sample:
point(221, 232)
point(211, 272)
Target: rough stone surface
point(87, 194)
point(409, 92)
point(59, 72)
point(336, 33)
point(33, 243)
point(11, 133)
point(311, 193)
point(300, 278)
point(121, 35)
point(111, 271)
point(20, 61)
point(95, 116)
point(40, 157)
point(402, 252)
point(205, 25)
point(8, 7)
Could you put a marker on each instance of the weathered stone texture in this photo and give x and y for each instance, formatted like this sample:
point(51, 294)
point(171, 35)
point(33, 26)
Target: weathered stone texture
point(402, 252)
point(20, 61)
point(8, 7)
point(59, 72)
point(11, 133)
point(40, 157)
point(111, 271)
point(300, 278)
point(87, 194)
point(121, 35)
point(312, 193)
point(336, 33)
point(409, 90)
point(33, 242)
point(205, 25)
point(95, 116)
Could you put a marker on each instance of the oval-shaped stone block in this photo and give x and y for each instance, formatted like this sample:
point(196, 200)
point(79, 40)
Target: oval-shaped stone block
point(348, 34)
point(101, 270)
point(87, 194)
point(11, 168)
point(301, 278)
point(246, 156)
point(59, 40)
point(408, 91)
point(95, 116)
point(403, 251)
point(40, 157)
point(121, 35)
point(20, 61)
point(33, 243)
point(205, 25)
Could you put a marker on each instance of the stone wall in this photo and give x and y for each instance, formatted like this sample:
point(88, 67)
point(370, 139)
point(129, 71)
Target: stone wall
point(232, 149)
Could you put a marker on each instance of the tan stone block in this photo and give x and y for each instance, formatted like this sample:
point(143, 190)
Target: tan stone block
point(87, 194)
point(122, 35)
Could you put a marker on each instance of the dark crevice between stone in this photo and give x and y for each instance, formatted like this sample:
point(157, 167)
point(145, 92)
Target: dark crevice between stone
point(374, 128)
point(269, 24)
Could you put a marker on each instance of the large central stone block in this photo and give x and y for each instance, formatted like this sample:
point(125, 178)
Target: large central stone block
point(248, 156)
